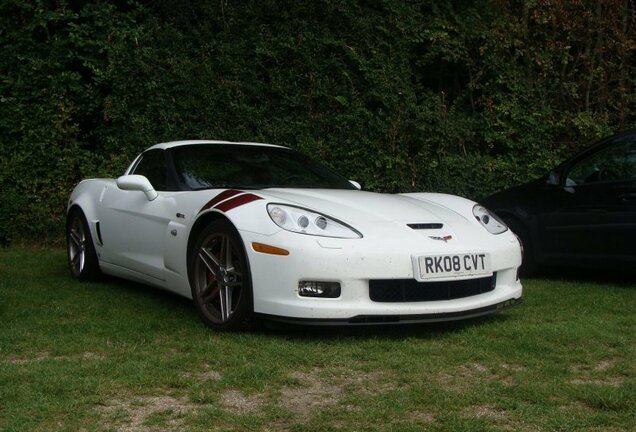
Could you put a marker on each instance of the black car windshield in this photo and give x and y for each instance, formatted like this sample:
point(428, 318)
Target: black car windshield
point(209, 166)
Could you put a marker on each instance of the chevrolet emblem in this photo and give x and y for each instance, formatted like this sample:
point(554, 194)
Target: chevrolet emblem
point(445, 239)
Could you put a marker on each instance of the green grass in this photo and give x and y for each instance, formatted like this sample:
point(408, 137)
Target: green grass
point(120, 356)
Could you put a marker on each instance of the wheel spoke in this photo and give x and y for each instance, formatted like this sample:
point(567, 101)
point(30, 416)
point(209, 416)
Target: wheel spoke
point(210, 261)
point(75, 258)
point(225, 252)
point(228, 301)
point(225, 302)
point(82, 260)
point(222, 303)
point(210, 291)
point(75, 238)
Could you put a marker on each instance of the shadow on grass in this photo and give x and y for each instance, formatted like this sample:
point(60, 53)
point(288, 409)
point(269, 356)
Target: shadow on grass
point(164, 299)
point(184, 308)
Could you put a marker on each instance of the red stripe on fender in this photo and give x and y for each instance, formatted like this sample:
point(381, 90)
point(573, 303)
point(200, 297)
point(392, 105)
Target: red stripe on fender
point(236, 202)
point(220, 197)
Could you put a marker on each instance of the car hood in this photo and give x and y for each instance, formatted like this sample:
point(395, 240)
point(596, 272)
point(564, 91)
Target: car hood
point(362, 206)
point(516, 198)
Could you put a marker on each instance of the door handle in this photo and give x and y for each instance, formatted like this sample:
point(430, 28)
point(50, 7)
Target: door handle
point(628, 197)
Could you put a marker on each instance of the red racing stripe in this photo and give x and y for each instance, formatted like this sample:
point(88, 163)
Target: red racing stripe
point(220, 197)
point(236, 202)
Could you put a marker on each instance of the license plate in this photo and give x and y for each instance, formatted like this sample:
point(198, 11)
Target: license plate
point(454, 265)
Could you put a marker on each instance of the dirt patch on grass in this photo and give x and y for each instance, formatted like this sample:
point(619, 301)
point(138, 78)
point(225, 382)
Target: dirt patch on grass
point(607, 381)
point(210, 375)
point(205, 375)
point(465, 377)
point(150, 413)
point(595, 374)
point(315, 391)
point(473, 376)
point(44, 356)
point(238, 403)
point(604, 365)
point(499, 418)
point(369, 382)
point(312, 393)
point(423, 417)
point(485, 411)
point(577, 408)
point(308, 393)
point(512, 367)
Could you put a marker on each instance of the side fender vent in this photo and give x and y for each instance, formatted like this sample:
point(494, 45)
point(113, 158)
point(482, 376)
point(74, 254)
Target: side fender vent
point(99, 234)
point(425, 226)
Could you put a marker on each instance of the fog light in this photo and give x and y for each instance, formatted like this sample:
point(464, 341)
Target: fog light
point(319, 289)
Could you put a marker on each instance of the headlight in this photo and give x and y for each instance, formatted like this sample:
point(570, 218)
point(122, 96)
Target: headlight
point(489, 220)
point(303, 221)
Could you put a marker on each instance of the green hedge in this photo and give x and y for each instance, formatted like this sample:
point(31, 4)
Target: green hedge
point(460, 97)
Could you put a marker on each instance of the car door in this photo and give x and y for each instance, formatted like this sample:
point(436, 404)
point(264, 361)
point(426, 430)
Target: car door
point(593, 215)
point(134, 227)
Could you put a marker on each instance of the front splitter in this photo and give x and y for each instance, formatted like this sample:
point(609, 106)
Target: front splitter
point(395, 319)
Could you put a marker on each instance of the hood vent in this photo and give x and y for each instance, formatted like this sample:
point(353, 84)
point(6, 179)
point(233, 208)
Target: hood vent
point(425, 226)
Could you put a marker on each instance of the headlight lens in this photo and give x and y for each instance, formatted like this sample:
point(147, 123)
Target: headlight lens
point(303, 221)
point(489, 220)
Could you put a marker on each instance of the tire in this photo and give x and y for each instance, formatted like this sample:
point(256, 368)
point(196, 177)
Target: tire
point(82, 258)
point(529, 267)
point(220, 278)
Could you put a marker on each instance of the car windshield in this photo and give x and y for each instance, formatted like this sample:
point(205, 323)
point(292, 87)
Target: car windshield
point(213, 166)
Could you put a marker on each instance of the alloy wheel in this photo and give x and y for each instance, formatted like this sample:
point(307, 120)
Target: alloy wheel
point(219, 277)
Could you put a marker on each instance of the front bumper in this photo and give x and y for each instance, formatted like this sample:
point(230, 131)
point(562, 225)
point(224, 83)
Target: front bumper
point(353, 263)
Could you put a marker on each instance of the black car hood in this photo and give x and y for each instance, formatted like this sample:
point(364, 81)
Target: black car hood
point(516, 200)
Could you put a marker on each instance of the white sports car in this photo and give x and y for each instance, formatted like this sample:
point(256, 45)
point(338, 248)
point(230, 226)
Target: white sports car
point(260, 231)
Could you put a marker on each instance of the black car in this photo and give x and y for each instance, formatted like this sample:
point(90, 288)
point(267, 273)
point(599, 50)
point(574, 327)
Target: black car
point(582, 213)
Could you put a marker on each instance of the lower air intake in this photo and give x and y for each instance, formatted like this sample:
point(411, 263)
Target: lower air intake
point(410, 290)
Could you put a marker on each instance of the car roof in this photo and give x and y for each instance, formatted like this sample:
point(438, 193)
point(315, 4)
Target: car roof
point(172, 144)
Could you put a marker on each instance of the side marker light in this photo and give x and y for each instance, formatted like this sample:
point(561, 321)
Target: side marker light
point(267, 249)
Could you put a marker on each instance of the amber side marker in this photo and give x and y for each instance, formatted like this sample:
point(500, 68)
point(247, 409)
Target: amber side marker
point(263, 248)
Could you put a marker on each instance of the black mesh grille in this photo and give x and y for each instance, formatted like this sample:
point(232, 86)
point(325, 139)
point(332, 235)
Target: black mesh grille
point(410, 290)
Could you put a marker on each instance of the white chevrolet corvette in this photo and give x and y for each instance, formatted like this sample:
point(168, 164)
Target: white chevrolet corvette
point(260, 231)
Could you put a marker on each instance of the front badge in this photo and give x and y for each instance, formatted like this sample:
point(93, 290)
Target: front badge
point(445, 238)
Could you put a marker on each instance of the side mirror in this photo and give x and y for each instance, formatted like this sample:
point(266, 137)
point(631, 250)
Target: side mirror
point(356, 184)
point(136, 182)
point(553, 178)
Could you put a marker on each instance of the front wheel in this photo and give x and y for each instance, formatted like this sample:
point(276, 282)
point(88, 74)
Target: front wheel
point(82, 258)
point(220, 278)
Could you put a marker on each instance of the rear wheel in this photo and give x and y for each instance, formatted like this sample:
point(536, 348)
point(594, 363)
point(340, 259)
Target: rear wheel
point(82, 258)
point(529, 266)
point(220, 278)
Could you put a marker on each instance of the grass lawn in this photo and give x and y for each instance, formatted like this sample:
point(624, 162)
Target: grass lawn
point(119, 356)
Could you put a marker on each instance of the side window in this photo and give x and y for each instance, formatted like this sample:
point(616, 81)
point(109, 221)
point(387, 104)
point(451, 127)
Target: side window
point(153, 166)
point(615, 162)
